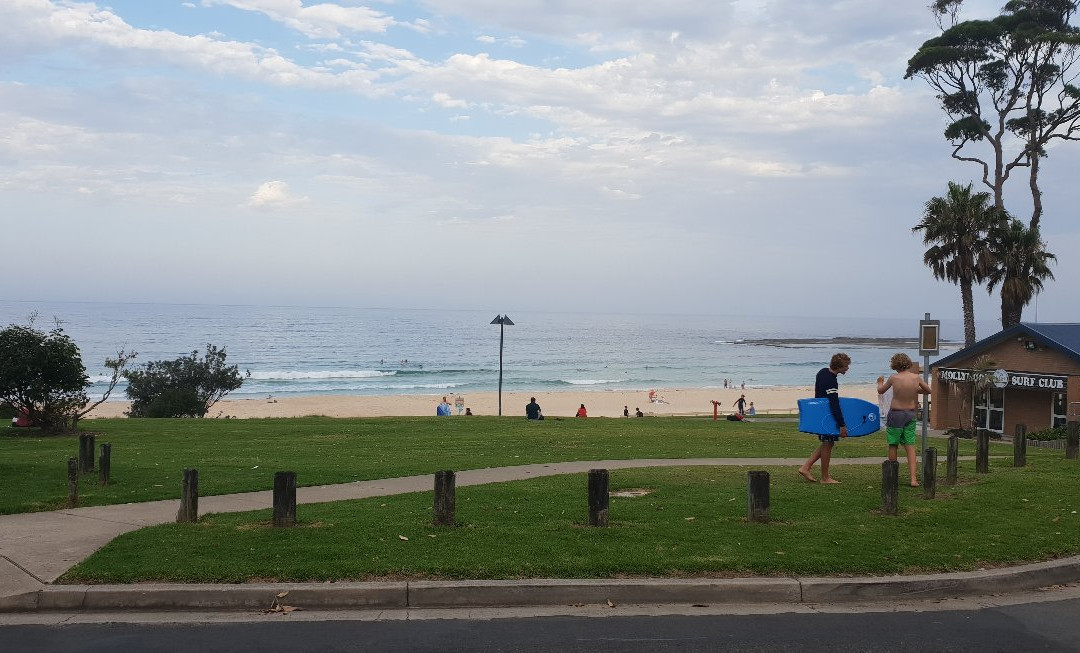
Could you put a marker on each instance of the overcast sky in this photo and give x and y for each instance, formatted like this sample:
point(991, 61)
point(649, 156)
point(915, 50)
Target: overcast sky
point(761, 157)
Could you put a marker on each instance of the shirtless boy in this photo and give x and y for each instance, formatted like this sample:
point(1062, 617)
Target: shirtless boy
point(900, 425)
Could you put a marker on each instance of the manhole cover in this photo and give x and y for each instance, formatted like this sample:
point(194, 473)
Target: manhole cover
point(631, 494)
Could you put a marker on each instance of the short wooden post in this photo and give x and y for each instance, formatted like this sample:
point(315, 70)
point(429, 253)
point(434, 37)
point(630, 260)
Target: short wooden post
point(598, 497)
point(1020, 446)
point(105, 463)
point(284, 498)
point(445, 498)
point(1072, 440)
point(982, 451)
point(757, 496)
point(929, 473)
point(951, 459)
point(189, 497)
point(73, 482)
point(86, 452)
point(890, 486)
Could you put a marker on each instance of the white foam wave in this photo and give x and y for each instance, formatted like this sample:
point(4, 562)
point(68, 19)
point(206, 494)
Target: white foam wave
point(590, 381)
point(279, 375)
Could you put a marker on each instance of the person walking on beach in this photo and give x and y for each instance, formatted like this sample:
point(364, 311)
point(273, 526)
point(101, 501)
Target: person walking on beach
point(906, 387)
point(740, 404)
point(827, 387)
point(626, 411)
point(532, 409)
point(581, 412)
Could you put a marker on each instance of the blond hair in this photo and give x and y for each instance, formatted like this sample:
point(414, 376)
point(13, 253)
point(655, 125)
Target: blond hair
point(900, 362)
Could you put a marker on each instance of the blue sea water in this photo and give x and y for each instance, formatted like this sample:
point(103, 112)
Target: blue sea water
point(293, 351)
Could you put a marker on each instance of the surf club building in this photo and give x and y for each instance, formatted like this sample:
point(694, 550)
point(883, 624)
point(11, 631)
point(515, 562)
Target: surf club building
point(1033, 378)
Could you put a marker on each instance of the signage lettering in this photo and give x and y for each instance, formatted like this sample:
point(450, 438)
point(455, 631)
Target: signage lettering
point(1020, 380)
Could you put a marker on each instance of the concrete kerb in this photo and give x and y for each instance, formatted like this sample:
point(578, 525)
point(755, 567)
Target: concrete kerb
point(540, 592)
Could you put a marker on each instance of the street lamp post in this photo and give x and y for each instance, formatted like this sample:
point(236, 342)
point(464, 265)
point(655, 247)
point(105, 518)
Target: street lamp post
point(502, 321)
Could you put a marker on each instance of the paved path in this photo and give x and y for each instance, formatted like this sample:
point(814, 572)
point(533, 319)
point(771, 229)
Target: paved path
point(36, 548)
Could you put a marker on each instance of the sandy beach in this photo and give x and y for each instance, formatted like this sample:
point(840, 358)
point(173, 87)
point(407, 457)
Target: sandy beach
point(554, 404)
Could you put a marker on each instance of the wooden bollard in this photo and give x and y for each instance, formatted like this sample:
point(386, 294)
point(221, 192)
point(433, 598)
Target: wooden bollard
point(105, 463)
point(757, 496)
point(951, 459)
point(982, 451)
point(86, 452)
point(73, 482)
point(929, 473)
point(189, 497)
point(890, 486)
point(1072, 440)
point(598, 497)
point(284, 498)
point(1020, 446)
point(445, 498)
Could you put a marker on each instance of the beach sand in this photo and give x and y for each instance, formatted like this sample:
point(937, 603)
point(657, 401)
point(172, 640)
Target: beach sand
point(554, 404)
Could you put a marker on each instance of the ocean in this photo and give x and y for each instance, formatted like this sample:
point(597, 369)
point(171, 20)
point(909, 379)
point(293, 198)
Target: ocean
point(296, 351)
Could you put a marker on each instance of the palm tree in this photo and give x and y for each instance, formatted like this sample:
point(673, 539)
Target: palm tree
point(957, 228)
point(1021, 264)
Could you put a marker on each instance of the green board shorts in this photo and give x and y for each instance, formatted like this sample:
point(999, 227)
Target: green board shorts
point(900, 427)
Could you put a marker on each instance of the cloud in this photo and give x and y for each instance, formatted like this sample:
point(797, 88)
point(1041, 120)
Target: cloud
point(273, 194)
point(323, 20)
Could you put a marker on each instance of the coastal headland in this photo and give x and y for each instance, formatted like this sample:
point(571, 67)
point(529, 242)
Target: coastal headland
point(608, 403)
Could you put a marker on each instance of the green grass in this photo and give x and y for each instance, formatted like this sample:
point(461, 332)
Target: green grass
point(691, 524)
point(148, 455)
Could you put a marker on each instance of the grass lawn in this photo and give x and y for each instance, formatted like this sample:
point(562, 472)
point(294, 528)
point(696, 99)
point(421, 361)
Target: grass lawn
point(148, 455)
point(691, 523)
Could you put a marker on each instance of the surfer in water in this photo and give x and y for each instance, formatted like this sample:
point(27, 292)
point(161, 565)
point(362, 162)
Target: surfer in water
point(906, 387)
point(826, 387)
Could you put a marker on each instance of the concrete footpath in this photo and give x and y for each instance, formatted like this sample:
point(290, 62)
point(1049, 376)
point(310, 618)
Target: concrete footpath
point(36, 548)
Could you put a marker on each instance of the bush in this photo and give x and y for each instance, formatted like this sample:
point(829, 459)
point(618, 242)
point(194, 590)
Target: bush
point(185, 387)
point(1057, 433)
point(43, 374)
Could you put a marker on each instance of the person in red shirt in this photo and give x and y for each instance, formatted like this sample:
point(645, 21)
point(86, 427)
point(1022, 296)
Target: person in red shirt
point(581, 411)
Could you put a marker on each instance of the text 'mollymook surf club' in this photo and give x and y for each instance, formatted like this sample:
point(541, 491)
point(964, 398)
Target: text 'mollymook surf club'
point(1035, 381)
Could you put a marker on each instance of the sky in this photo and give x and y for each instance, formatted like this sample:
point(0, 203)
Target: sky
point(758, 157)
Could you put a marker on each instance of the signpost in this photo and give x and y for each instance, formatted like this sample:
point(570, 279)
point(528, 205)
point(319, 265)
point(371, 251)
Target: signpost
point(502, 321)
point(929, 345)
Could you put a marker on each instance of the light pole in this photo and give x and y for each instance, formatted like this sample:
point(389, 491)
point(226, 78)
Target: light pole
point(502, 321)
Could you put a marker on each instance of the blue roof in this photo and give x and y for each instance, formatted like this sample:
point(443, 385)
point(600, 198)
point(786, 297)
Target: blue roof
point(1064, 338)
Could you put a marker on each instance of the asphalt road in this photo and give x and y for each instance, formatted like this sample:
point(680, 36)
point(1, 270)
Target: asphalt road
point(1045, 626)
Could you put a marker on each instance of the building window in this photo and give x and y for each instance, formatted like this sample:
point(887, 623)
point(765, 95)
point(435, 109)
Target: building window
point(1058, 416)
point(989, 412)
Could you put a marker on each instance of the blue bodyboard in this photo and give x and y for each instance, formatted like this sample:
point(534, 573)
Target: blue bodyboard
point(862, 417)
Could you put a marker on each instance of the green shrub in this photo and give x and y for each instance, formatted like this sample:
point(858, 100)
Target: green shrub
point(1057, 433)
point(185, 387)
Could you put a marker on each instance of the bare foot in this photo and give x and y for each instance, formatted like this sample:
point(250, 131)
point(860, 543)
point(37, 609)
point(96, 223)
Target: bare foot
point(830, 481)
point(914, 484)
point(806, 474)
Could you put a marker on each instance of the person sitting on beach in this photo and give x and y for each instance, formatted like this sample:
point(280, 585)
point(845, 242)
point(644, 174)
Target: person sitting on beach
point(468, 411)
point(626, 411)
point(638, 413)
point(532, 409)
point(751, 411)
point(900, 423)
point(581, 412)
point(444, 409)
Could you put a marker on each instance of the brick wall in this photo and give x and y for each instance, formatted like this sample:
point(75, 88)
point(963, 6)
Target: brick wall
point(1029, 407)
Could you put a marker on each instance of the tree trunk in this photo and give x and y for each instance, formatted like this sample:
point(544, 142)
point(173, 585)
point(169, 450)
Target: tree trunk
point(969, 313)
point(1011, 312)
point(1033, 184)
